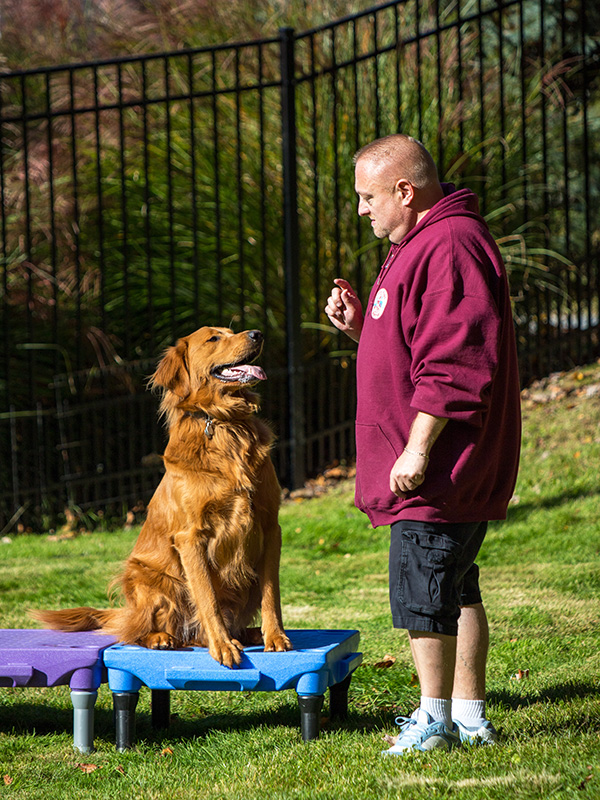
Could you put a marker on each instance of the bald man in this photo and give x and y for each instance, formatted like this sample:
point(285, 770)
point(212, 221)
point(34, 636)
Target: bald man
point(438, 423)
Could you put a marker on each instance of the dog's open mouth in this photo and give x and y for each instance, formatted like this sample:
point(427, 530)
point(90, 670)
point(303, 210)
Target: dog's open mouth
point(239, 373)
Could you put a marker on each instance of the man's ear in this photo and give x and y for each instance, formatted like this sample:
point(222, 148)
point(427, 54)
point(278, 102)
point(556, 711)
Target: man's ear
point(405, 190)
point(172, 372)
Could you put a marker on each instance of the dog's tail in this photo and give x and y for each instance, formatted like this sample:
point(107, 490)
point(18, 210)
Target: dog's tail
point(77, 619)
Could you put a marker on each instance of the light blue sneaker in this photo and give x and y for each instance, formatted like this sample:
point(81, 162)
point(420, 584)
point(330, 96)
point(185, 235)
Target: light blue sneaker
point(420, 732)
point(485, 734)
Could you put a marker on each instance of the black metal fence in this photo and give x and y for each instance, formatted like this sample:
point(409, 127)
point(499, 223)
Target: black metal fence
point(144, 197)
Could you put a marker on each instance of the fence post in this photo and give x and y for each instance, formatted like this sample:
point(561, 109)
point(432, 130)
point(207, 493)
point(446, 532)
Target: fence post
point(295, 430)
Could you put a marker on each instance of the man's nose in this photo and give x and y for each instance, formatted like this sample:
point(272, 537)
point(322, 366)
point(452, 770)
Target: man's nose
point(363, 208)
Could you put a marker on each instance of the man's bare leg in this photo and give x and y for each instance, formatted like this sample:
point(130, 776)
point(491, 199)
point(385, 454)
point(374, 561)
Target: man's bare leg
point(471, 654)
point(431, 725)
point(468, 693)
point(453, 666)
point(434, 655)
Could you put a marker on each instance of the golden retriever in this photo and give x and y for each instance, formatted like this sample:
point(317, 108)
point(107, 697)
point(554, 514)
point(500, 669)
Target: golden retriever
point(207, 557)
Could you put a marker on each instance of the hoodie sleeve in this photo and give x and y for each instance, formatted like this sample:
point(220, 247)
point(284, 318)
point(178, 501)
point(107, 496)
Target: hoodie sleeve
point(454, 347)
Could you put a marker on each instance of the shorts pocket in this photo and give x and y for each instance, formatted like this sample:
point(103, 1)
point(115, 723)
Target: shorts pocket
point(428, 581)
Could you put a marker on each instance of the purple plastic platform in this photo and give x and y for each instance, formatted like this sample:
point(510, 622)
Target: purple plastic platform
point(320, 659)
point(54, 658)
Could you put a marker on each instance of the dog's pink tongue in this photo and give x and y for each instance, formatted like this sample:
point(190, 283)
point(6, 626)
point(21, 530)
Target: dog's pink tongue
point(256, 372)
point(246, 370)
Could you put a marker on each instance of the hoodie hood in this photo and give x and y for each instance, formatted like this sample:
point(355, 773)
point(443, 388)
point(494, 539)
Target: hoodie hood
point(455, 203)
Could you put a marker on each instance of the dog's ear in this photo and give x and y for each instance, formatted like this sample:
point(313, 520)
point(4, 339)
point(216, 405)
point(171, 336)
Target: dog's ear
point(172, 372)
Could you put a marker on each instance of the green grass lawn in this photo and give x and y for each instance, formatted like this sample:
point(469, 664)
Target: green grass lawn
point(541, 584)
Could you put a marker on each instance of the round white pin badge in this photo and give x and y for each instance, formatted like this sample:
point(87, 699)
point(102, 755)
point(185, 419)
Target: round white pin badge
point(379, 303)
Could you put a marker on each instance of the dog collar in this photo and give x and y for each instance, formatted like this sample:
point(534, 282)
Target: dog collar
point(208, 428)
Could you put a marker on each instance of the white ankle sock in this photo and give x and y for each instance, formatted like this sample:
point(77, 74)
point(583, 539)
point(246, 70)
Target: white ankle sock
point(470, 712)
point(439, 710)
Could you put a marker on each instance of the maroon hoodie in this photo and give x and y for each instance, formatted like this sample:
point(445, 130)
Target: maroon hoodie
point(438, 337)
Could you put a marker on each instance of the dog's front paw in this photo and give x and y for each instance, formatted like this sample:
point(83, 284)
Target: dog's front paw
point(159, 640)
point(277, 641)
point(226, 652)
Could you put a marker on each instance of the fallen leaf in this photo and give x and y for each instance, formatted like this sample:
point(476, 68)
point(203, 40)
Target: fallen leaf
point(390, 739)
point(87, 768)
point(583, 784)
point(8, 780)
point(387, 662)
point(167, 752)
point(414, 679)
point(121, 770)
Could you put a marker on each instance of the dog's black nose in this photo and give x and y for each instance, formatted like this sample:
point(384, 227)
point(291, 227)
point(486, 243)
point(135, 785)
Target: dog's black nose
point(256, 336)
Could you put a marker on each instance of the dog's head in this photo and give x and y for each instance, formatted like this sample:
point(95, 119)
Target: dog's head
point(211, 370)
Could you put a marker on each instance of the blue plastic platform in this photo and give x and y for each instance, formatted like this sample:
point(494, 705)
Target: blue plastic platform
point(52, 658)
point(320, 659)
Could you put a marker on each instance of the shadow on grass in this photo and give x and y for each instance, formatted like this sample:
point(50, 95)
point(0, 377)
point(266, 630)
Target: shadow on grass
point(553, 694)
point(286, 716)
point(359, 720)
point(519, 513)
point(29, 718)
point(24, 718)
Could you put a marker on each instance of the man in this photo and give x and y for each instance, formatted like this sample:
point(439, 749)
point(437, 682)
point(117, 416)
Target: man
point(438, 422)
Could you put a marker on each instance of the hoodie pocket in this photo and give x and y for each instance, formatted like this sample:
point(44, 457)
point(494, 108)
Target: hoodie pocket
point(375, 457)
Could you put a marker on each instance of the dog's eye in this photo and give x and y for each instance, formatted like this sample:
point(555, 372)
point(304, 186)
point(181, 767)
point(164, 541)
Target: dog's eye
point(213, 339)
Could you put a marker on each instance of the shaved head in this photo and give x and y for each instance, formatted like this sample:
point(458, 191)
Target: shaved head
point(401, 156)
point(397, 183)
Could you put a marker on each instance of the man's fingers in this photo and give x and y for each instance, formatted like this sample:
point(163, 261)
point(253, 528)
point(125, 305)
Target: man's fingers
point(402, 483)
point(344, 309)
point(335, 305)
point(342, 283)
point(336, 298)
point(345, 287)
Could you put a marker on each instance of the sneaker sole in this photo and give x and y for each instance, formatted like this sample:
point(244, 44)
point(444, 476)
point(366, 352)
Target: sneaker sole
point(432, 743)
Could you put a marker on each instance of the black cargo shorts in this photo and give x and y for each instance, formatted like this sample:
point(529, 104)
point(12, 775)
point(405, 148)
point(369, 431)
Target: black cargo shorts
point(433, 573)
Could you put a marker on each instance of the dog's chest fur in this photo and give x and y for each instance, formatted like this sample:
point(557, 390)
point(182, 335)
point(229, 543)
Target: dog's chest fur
point(220, 509)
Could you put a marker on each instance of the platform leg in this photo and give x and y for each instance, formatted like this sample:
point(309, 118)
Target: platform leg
point(161, 708)
point(124, 704)
point(83, 720)
point(310, 715)
point(338, 698)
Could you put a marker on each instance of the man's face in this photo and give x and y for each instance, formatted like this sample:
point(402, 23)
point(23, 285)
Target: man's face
point(380, 199)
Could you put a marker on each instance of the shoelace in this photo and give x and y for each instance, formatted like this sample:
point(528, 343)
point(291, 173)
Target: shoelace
point(405, 723)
